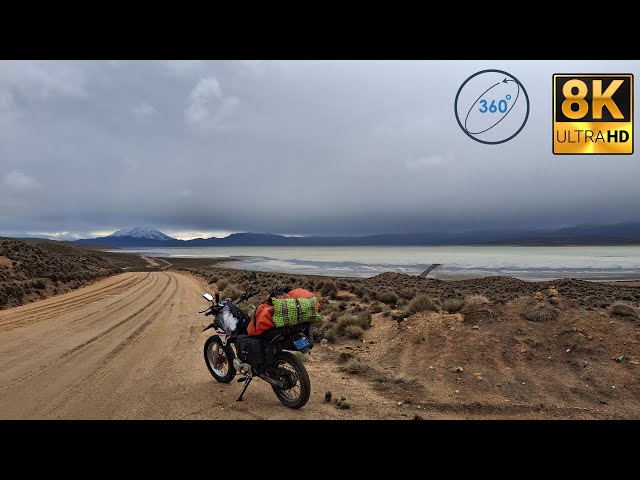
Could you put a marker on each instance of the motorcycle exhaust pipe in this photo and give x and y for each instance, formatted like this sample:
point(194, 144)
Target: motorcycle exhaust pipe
point(272, 381)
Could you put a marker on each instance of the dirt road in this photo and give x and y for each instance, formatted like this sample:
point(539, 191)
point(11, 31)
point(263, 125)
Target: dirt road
point(130, 347)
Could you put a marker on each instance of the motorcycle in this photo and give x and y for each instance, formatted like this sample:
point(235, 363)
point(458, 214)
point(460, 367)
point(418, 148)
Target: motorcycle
point(268, 356)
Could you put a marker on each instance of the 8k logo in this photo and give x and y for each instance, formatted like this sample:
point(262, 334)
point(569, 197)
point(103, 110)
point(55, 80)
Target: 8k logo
point(593, 114)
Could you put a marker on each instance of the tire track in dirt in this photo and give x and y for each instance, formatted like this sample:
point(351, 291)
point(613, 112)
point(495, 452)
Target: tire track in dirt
point(64, 306)
point(131, 297)
point(26, 355)
point(65, 298)
point(92, 378)
point(166, 265)
point(120, 323)
point(77, 310)
point(66, 370)
point(144, 325)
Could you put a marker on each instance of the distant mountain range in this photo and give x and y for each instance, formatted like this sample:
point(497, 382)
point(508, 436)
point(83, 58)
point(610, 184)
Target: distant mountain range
point(616, 234)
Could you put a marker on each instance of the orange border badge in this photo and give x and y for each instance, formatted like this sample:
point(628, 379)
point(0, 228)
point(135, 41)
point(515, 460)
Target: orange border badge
point(592, 137)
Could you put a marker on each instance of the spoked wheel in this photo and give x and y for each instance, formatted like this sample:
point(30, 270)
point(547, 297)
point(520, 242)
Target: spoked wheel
point(219, 359)
point(289, 369)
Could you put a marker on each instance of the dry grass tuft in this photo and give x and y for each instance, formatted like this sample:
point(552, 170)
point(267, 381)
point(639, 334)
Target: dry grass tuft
point(422, 303)
point(356, 366)
point(540, 312)
point(453, 305)
point(625, 310)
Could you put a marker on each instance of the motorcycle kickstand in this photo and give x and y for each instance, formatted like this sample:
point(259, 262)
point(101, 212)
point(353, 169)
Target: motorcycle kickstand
point(246, 385)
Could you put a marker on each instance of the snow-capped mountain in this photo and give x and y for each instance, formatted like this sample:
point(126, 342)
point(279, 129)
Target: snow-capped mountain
point(142, 232)
point(135, 237)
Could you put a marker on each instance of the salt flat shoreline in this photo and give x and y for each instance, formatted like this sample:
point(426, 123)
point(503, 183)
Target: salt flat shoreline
point(620, 263)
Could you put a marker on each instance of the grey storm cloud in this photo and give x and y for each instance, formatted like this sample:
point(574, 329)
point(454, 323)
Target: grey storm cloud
point(298, 147)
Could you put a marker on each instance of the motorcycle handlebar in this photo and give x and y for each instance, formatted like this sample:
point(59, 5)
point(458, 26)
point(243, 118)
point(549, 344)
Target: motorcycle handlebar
point(247, 295)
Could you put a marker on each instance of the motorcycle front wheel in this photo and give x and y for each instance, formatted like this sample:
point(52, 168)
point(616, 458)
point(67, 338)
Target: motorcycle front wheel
point(219, 359)
point(290, 370)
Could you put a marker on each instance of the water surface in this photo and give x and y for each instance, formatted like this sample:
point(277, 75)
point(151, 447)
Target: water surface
point(527, 263)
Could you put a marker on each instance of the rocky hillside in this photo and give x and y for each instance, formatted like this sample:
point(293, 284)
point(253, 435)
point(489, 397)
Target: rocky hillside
point(31, 271)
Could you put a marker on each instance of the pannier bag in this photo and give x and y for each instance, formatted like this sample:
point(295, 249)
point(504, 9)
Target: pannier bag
point(263, 318)
point(251, 350)
point(292, 311)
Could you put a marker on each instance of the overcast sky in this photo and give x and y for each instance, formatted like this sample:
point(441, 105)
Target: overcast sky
point(208, 148)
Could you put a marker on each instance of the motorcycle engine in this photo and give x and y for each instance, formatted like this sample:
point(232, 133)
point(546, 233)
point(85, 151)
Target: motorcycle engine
point(242, 367)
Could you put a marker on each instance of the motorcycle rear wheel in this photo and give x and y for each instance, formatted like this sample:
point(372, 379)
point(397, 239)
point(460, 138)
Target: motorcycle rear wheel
point(219, 359)
point(290, 368)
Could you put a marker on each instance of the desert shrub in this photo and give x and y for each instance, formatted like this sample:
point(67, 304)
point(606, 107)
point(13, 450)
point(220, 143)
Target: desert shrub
point(39, 284)
point(213, 278)
point(475, 299)
point(399, 316)
point(328, 289)
point(540, 312)
point(387, 297)
point(407, 293)
point(376, 308)
point(344, 321)
point(344, 357)
point(354, 331)
point(331, 335)
point(402, 380)
point(359, 291)
point(222, 284)
point(328, 307)
point(382, 380)
point(363, 321)
point(356, 366)
point(355, 308)
point(421, 303)
point(476, 309)
point(232, 292)
point(625, 310)
point(341, 404)
point(453, 305)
